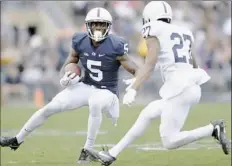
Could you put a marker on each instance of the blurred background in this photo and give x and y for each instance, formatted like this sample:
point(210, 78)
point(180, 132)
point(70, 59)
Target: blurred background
point(36, 40)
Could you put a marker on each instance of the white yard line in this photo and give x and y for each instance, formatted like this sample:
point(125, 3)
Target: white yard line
point(152, 146)
point(157, 146)
point(50, 132)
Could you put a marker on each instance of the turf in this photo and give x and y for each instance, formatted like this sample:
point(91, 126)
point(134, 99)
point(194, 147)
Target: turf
point(57, 142)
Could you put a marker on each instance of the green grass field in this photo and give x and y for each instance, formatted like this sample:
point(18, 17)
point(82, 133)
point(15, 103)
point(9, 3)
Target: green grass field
point(58, 142)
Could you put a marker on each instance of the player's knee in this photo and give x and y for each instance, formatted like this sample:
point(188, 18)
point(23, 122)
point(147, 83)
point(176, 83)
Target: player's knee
point(95, 103)
point(50, 109)
point(168, 143)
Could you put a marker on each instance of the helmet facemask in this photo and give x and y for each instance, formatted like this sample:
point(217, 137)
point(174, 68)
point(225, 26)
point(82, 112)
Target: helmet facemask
point(98, 30)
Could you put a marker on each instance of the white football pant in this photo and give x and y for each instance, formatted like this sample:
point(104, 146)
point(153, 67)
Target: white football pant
point(173, 113)
point(80, 94)
point(73, 97)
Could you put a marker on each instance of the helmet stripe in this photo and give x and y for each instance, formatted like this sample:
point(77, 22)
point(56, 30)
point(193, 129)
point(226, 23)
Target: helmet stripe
point(165, 9)
point(98, 12)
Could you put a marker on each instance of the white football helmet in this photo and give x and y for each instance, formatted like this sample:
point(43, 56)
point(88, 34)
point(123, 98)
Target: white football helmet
point(98, 23)
point(156, 10)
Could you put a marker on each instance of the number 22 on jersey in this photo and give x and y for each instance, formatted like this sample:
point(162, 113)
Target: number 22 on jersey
point(183, 43)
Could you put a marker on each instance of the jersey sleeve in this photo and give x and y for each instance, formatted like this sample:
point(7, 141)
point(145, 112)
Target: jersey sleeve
point(76, 39)
point(122, 47)
point(152, 29)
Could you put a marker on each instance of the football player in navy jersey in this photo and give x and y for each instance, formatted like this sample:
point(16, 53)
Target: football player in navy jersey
point(101, 55)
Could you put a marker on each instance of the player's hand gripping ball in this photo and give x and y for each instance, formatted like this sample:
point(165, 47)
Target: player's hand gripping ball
point(73, 68)
point(72, 75)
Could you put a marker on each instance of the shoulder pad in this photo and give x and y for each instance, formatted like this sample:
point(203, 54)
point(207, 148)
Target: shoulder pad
point(77, 38)
point(153, 29)
point(120, 45)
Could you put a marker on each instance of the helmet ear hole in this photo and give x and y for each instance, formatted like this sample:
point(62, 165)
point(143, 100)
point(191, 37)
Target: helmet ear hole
point(167, 20)
point(146, 21)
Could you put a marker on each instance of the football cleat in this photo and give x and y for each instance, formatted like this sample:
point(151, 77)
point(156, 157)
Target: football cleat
point(103, 156)
point(9, 142)
point(219, 134)
point(84, 157)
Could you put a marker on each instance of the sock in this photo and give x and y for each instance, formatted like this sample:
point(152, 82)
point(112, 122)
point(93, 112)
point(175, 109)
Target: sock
point(186, 137)
point(136, 131)
point(94, 124)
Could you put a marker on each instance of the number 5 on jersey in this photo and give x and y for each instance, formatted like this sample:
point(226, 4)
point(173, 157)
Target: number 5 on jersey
point(96, 74)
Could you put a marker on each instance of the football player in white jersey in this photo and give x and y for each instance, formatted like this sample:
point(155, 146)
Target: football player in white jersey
point(169, 47)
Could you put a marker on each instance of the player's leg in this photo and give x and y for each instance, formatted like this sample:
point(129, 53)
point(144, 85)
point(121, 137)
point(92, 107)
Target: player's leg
point(99, 101)
point(152, 111)
point(67, 99)
point(174, 115)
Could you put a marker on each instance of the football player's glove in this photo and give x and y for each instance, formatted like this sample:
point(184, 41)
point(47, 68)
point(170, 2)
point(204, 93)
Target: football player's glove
point(129, 82)
point(69, 78)
point(129, 97)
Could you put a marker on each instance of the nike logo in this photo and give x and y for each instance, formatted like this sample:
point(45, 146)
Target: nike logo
point(100, 55)
point(26, 130)
point(86, 54)
point(103, 86)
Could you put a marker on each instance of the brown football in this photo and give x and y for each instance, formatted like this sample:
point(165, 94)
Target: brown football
point(74, 68)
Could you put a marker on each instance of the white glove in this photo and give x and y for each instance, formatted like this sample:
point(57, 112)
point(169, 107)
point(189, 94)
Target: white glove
point(129, 82)
point(69, 78)
point(129, 97)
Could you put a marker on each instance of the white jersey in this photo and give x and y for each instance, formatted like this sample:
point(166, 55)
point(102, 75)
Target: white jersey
point(174, 59)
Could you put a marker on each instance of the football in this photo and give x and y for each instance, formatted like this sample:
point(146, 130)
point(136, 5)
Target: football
point(74, 68)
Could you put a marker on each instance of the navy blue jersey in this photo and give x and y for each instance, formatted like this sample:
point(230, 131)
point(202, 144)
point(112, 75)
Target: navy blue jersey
point(100, 63)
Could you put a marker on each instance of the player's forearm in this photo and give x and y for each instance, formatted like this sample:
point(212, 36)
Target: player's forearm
point(147, 68)
point(134, 70)
point(128, 64)
point(142, 75)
